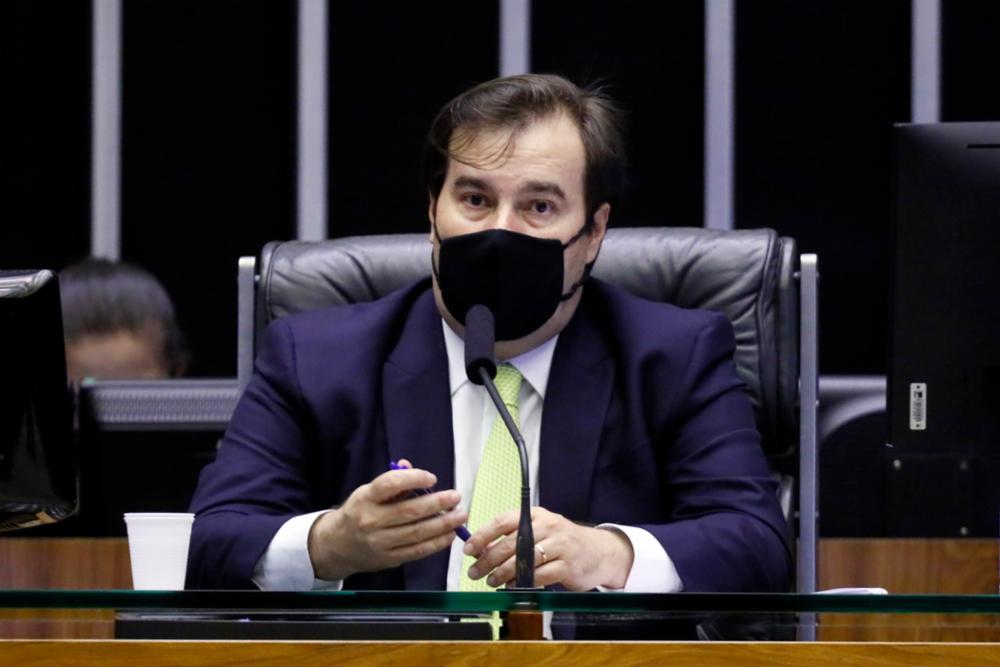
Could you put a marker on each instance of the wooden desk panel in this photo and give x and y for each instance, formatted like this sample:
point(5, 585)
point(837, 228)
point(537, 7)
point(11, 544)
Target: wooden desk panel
point(67, 563)
point(899, 565)
point(902, 566)
point(434, 654)
point(71, 563)
point(910, 566)
point(956, 566)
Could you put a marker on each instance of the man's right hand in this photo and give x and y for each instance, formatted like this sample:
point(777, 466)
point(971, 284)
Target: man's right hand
point(380, 526)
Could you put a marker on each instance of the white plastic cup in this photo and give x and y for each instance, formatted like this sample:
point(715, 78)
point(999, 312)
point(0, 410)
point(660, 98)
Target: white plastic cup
point(158, 548)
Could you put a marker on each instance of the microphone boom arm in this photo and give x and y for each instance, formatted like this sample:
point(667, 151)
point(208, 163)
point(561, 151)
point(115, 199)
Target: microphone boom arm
point(525, 546)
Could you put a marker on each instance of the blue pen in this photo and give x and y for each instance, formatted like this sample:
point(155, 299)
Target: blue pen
point(461, 531)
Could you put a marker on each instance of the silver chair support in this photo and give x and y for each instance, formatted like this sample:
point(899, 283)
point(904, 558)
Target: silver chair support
point(805, 560)
point(246, 282)
point(808, 399)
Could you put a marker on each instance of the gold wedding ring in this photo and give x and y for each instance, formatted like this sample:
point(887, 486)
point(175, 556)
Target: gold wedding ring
point(542, 551)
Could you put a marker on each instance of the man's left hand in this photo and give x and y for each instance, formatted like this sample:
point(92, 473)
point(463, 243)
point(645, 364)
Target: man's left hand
point(578, 557)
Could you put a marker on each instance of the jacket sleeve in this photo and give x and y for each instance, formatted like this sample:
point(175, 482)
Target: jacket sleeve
point(726, 532)
point(257, 481)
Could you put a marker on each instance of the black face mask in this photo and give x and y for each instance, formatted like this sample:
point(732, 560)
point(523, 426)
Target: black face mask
point(517, 276)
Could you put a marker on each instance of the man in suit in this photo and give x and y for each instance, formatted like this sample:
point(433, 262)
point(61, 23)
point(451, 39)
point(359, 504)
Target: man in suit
point(647, 472)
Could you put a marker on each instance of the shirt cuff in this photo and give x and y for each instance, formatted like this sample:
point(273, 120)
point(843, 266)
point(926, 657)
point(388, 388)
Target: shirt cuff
point(652, 570)
point(286, 565)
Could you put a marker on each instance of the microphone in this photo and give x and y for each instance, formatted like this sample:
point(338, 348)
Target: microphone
point(481, 368)
point(479, 340)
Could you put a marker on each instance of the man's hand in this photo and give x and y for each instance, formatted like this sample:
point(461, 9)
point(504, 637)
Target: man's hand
point(578, 557)
point(380, 526)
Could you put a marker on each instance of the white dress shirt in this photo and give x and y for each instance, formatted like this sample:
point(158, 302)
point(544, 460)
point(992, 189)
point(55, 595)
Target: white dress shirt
point(286, 564)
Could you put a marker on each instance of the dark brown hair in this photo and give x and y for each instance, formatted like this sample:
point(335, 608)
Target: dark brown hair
point(513, 103)
point(103, 297)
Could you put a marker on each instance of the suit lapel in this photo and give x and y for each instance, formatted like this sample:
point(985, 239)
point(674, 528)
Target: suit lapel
point(417, 408)
point(576, 401)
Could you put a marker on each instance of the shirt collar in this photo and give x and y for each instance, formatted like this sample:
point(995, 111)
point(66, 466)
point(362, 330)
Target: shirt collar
point(534, 364)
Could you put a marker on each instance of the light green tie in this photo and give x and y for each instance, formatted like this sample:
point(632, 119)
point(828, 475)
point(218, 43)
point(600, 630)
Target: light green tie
point(498, 481)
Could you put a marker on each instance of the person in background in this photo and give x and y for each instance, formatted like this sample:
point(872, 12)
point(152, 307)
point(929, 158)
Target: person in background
point(118, 323)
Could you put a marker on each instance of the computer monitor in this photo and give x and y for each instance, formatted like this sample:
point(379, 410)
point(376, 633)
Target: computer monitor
point(38, 460)
point(146, 442)
point(143, 445)
point(944, 365)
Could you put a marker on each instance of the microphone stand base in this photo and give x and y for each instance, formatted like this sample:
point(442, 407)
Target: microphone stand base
point(526, 622)
point(524, 625)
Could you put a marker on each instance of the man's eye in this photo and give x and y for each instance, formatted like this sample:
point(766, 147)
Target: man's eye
point(541, 207)
point(475, 200)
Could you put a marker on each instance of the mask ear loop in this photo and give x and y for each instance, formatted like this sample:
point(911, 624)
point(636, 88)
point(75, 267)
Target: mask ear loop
point(434, 267)
point(576, 237)
point(586, 267)
point(579, 283)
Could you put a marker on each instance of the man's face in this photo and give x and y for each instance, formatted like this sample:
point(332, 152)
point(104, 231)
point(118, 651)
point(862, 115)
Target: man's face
point(120, 355)
point(536, 187)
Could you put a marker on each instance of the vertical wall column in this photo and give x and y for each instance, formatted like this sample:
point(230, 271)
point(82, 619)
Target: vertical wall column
point(312, 121)
point(719, 116)
point(925, 58)
point(515, 37)
point(105, 165)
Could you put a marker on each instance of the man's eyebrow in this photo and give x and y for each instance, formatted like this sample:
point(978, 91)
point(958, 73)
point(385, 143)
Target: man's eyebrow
point(544, 187)
point(470, 182)
point(531, 187)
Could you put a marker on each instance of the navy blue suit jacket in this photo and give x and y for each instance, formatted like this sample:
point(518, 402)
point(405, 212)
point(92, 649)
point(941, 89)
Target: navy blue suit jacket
point(645, 423)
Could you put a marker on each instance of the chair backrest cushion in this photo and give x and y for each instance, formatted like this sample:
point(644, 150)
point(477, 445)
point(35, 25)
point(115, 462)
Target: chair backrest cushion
point(748, 275)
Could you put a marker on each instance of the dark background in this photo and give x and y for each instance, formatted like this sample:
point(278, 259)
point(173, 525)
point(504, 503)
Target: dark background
point(209, 115)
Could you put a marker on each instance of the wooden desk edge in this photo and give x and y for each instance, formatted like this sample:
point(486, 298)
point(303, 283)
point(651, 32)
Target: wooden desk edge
point(418, 654)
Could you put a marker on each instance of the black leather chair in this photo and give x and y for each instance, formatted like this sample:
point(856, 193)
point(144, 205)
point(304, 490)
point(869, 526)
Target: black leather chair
point(751, 276)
